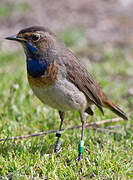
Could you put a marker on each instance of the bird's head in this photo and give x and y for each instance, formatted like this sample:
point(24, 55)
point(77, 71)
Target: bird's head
point(36, 40)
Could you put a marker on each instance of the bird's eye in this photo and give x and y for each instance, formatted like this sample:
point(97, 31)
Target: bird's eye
point(35, 37)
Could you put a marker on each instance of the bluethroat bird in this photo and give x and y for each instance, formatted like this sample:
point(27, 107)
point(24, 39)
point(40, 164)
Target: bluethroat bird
point(59, 79)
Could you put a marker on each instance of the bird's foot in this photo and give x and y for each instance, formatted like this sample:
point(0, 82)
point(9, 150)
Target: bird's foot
point(78, 159)
point(57, 146)
point(80, 156)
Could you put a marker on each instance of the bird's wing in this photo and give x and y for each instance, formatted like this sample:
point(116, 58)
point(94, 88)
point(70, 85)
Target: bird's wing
point(77, 74)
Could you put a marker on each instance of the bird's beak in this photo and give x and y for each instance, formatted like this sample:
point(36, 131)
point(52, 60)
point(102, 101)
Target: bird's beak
point(15, 38)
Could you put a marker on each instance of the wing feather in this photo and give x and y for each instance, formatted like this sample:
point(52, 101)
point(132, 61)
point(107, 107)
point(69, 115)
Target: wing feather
point(78, 74)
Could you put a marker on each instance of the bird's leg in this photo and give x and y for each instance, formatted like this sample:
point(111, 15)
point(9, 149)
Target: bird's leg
point(58, 133)
point(80, 148)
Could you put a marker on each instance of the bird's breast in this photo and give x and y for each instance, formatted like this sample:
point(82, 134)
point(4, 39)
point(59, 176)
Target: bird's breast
point(62, 95)
point(42, 75)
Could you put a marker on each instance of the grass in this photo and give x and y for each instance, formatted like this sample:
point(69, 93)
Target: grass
point(106, 156)
point(72, 36)
point(7, 9)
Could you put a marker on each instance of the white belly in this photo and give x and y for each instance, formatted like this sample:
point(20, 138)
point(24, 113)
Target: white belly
point(63, 95)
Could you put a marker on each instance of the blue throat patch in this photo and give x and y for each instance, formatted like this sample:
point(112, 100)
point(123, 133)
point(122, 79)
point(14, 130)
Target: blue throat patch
point(35, 67)
point(31, 50)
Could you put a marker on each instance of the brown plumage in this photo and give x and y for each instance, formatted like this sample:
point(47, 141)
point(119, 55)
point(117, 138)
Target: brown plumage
point(77, 73)
point(59, 79)
point(50, 77)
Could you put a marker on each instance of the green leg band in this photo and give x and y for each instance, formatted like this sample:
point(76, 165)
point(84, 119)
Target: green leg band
point(80, 149)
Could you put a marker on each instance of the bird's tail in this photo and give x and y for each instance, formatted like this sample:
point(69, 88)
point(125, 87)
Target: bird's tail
point(115, 109)
point(108, 104)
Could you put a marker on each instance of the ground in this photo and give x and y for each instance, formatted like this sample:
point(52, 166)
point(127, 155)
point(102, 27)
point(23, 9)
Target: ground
point(107, 53)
